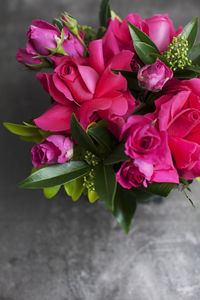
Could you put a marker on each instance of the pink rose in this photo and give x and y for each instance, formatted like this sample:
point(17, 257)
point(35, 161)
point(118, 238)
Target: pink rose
point(43, 35)
point(134, 173)
point(146, 144)
point(55, 149)
point(153, 77)
point(117, 37)
point(178, 114)
point(160, 30)
point(92, 87)
point(26, 57)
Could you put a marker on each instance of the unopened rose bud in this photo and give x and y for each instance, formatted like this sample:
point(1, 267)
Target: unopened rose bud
point(153, 77)
point(71, 24)
point(29, 58)
point(55, 149)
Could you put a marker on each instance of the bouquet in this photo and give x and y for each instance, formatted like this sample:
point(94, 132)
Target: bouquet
point(123, 122)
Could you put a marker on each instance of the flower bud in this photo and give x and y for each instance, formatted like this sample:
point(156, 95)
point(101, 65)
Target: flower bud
point(70, 23)
point(55, 149)
point(153, 77)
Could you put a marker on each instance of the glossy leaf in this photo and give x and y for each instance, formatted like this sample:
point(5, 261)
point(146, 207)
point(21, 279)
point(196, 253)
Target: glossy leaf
point(188, 72)
point(105, 12)
point(194, 54)
point(190, 31)
point(50, 192)
point(102, 136)
point(74, 188)
point(116, 156)
point(105, 185)
point(55, 175)
point(144, 52)
point(22, 130)
point(139, 36)
point(143, 45)
point(92, 196)
point(124, 207)
point(81, 137)
point(162, 189)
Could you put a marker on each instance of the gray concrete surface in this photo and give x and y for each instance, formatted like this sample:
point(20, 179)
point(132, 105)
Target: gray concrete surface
point(58, 250)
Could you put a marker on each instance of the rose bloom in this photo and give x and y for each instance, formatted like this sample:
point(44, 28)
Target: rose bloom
point(178, 113)
point(153, 77)
point(90, 87)
point(134, 173)
point(42, 35)
point(145, 143)
point(55, 149)
point(117, 37)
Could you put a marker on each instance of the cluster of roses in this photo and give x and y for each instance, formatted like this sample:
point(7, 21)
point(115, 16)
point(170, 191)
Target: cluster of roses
point(162, 145)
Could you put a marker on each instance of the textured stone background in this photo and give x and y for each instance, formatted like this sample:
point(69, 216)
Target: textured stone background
point(58, 250)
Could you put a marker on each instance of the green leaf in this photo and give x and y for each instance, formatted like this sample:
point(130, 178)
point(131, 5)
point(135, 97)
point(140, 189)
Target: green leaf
point(106, 184)
point(92, 196)
point(162, 189)
point(102, 136)
point(144, 52)
point(124, 207)
point(28, 132)
point(50, 192)
point(105, 12)
point(188, 72)
point(139, 36)
point(74, 188)
point(81, 137)
point(198, 179)
point(190, 31)
point(22, 130)
point(55, 175)
point(194, 54)
point(117, 156)
point(143, 45)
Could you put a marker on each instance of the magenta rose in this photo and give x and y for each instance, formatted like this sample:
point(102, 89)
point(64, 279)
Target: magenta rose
point(43, 35)
point(134, 173)
point(178, 113)
point(55, 149)
point(117, 37)
point(92, 87)
point(145, 143)
point(27, 57)
point(161, 31)
point(153, 77)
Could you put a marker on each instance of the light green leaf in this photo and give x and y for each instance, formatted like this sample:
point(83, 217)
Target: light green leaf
point(22, 130)
point(74, 188)
point(190, 31)
point(55, 175)
point(50, 192)
point(198, 179)
point(92, 196)
point(105, 185)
